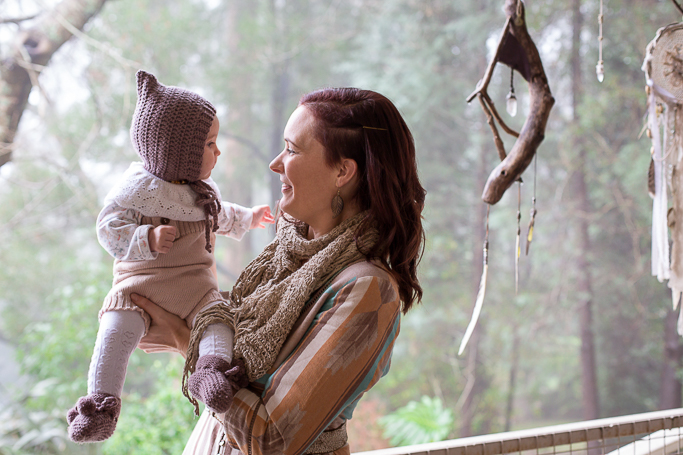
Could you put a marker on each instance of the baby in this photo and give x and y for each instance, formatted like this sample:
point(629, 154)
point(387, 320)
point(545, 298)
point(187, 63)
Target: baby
point(159, 222)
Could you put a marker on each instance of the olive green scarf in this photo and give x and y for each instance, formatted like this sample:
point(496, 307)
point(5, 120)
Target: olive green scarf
point(269, 295)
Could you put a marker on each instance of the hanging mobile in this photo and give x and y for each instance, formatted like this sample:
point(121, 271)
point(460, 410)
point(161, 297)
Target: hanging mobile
point(482, 289)
point(600, 67)
point(518, 51)
point(511, 99)
point(532, 218)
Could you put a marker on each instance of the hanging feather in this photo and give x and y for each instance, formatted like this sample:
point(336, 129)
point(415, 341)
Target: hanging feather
point(532, 215)
point(660, 235)
point(530, 229)
point(481, 293)
point(651, 179)
point(477, 305)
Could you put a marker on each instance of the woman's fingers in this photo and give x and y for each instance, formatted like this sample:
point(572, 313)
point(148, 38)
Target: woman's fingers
point(167, 332)
point(146, 304)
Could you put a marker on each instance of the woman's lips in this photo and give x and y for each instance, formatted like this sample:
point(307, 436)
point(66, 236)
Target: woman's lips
point(286, 187)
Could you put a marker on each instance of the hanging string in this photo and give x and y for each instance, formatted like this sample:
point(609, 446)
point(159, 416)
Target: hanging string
point(482, 288)
point(518, 248)
point(532, 218)
point(600, 67)
point(511, 99)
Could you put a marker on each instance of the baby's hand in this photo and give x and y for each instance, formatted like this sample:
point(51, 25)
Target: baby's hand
point(161, 239)
point(262, 216)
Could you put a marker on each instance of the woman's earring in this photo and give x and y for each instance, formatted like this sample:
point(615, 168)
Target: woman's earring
point(337, 205)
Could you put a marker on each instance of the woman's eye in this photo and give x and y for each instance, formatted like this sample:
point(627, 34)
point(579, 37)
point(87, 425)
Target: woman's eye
point(290, 150)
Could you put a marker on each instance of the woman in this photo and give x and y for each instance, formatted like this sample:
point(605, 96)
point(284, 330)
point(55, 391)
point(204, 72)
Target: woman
point(349, 174)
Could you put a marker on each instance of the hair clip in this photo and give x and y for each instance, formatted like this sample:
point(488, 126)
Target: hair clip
point(180, 182)
point(373, 128)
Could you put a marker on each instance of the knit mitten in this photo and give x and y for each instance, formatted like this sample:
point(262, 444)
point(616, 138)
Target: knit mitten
point(215, 380)
point(94, 417)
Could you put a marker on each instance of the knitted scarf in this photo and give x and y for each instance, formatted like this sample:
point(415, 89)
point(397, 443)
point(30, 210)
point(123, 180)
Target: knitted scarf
point(271, 292)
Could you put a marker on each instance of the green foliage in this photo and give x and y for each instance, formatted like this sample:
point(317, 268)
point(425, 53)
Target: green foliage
point(155, 418)
point(158, 424)
point(418, 422)
point(31, 432)
point(58, 347)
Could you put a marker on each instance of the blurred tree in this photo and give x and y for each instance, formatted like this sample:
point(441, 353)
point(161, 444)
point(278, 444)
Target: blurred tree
point(30, 53)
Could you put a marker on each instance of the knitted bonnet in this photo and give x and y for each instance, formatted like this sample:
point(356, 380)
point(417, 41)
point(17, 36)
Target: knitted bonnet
point(169, 130)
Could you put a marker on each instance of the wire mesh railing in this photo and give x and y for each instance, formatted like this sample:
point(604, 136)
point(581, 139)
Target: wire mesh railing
point(653, 433)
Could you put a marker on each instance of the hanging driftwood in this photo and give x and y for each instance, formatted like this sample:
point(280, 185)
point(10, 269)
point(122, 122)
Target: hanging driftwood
point(517, 50)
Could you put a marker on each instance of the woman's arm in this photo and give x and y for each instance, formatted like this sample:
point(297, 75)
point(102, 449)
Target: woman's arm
point(346, 351)
point(167, 332)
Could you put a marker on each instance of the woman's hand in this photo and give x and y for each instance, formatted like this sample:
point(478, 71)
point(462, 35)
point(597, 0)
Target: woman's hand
point(167, 332)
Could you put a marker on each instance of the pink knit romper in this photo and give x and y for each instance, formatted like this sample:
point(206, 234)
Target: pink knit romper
point(180, 281)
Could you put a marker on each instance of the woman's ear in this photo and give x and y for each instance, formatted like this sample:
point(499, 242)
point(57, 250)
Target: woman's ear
point(348, 171)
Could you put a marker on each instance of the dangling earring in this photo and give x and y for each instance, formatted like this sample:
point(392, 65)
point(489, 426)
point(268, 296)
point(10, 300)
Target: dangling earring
point(337, 204)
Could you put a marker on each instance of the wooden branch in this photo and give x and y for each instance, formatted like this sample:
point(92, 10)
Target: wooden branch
point(39, 43)
point(499, 119)
point(533, 131)
point(484, 83)
point(17, 20)
point(678, 6)
point(489, 119)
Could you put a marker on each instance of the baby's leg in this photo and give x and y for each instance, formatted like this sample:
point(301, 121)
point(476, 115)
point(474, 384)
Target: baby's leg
point(119, 335)
point(216, 374)
point(94, 417)
point(217, 340)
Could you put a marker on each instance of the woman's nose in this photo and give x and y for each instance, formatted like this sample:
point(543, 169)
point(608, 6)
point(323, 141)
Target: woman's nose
point(276, 164)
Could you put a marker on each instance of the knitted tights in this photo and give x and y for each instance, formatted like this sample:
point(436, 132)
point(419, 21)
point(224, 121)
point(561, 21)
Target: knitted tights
point(216, 340)
point(119, 334)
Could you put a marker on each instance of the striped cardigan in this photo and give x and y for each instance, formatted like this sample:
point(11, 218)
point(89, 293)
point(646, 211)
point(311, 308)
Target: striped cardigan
point(340, 347)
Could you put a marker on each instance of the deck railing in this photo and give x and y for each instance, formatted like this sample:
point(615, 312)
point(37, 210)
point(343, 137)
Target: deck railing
point(654, 433)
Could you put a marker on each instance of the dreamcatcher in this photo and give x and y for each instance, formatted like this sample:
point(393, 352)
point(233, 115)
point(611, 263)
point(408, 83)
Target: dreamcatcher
point(663, 67)
point(517, 50)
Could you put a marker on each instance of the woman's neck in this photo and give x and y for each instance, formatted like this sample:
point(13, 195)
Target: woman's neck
point(321, 228)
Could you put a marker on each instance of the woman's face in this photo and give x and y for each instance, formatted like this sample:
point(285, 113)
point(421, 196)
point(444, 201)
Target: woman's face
point(308, 183)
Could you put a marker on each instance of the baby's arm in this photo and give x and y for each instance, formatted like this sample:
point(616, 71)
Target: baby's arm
point(121, 233)
point(233, 220)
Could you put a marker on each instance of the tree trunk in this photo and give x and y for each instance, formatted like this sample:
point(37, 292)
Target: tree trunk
point(589, 388)
point(236, 184)
point(512, 378)
point(31, 51)
point(670, 390)
point(474, 373)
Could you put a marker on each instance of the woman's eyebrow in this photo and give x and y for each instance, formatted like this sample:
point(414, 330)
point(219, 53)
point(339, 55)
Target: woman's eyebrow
point(292, 142)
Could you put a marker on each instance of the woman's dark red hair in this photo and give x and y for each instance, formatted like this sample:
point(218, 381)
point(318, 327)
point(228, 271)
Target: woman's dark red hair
point(365, 126)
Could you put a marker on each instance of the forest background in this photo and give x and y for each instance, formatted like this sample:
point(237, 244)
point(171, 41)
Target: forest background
point(590, 332)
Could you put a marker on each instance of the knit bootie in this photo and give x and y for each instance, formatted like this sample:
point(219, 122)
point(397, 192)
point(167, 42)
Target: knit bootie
point(94, 417)
point(215, 381)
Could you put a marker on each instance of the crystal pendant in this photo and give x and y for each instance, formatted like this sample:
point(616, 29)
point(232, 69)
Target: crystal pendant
point(600, 71)
point(511, 103)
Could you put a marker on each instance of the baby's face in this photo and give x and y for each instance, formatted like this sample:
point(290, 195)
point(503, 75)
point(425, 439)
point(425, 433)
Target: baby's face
point(211, 151)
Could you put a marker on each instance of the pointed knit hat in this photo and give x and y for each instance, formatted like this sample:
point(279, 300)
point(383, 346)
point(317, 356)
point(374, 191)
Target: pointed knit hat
point(169, 129)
